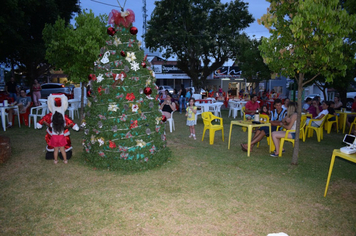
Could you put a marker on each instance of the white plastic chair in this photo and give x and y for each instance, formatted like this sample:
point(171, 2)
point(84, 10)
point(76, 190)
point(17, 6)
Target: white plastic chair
point(171, 122)
point(37, 112)
point(197, 96)
point(73, 108)
point(234, 108)
point(78, 95)
point(218, 109)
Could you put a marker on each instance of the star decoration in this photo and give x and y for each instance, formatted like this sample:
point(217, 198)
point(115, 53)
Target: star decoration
point(112, 107)
point(135, 66)
point(130, 57)
point(117, 41)
point(140, 143)
point(101, 141)
point(99, 78)
point(148, 82)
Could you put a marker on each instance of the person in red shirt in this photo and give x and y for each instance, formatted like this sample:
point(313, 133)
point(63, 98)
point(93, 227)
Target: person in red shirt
point(251, 107)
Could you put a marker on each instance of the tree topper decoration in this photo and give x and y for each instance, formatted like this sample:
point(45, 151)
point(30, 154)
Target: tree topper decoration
point(124, 18)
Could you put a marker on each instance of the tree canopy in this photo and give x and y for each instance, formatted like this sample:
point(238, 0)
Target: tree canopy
point(307, 36)
point(22, 22)
point(251, 62)
point(74, 49)
point(203, 35)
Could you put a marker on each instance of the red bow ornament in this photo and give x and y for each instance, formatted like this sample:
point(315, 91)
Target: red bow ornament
point(124, 18)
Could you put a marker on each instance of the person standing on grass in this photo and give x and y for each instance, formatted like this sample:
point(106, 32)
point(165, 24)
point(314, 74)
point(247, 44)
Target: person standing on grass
point(190, 114)
point(36, 91)
point(12, 89)
point(58, 141)
point(288, 123)
point(182, 103)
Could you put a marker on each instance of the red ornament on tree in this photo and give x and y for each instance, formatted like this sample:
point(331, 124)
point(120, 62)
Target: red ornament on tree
point(143, 64)
point(147, 91)
point(123, 53)
point(164, 118)
point(111, 31)
point(133, 30)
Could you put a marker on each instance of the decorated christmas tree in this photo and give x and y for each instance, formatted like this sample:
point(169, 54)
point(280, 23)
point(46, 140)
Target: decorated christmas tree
point(123, 127)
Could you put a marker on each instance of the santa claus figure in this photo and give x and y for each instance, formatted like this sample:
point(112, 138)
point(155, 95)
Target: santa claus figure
point(59, 103)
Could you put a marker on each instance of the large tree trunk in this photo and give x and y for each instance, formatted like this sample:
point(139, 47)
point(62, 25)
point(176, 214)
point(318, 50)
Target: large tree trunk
point(299, 110)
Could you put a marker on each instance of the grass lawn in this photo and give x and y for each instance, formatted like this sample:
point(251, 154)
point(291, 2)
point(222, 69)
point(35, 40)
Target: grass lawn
point(202, 190)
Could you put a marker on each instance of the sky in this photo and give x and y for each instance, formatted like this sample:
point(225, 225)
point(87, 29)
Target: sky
point(256, 7)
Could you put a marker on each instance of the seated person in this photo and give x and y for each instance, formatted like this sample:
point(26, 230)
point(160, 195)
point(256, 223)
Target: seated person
point(314, 108)
point(338, 103)
point(168, 106)
point(285, 105)
point(276, 117)
point(251, 107)
point(264, 111)
point(289, 123)
point(23, 102)
point(307, 104)
point(320, 116)
point(331, 110)
point(163, 96)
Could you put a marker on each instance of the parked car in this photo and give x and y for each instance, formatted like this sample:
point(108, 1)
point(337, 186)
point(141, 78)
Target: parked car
point(312, 96)
point(202, 91)
point(49, 88)
point(163, 88)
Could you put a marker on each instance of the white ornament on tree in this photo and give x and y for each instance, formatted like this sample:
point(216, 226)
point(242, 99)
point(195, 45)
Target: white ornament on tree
point(99, 78)
point(117, 41)
point(105, 58)
point(135, 66)
point(130, 56)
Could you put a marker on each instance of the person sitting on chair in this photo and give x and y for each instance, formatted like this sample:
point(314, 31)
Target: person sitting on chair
point(23, 102)
point(168, 106)
point(251, 107)
point(289, 123)
point(276, 117)
point(320, 116)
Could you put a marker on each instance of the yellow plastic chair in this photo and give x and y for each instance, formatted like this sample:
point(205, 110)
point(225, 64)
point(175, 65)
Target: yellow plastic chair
point(244, 129)
point(318, 130)
point(352, 124)
point(301, 133)
point(208, 117)
point(329, 124)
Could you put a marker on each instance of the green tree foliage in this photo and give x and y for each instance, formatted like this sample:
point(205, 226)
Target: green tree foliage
point(251, 62)
point(198, 32)
point(124, 129)
point(307, 36)
point(74, 49)
point(22, 22)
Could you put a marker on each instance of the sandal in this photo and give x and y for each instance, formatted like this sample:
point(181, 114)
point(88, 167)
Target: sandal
point(65, 162)
point(274, 155)
point(55, 162)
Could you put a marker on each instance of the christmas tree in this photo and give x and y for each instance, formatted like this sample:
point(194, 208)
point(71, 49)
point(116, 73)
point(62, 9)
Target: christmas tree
point(123, 127)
